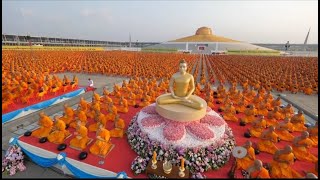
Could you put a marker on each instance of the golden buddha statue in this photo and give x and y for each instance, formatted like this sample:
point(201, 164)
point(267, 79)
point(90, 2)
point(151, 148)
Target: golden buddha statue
point(181, 87)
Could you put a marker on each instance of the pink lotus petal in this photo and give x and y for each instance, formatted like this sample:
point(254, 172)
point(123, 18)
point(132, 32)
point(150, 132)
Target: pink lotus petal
point(208, 109)
point(175, 123)
point(200, 130)
point(149, 110)
point(152, 121)
point(212, 120)
point(173, 131)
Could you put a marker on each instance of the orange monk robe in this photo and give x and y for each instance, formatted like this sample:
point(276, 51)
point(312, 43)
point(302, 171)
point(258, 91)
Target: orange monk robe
point(287, 112)
point(277, 114)
point(283, 131)
point(302, 153)
point(118, 131)
point(68, 117)
point(298, 123)
point(261, 174)
point(146, 101)
point(257, 127)
point(210, 101)
point(96, 96)
point(308, 90)
point(267, 145)
point(284, 169)
point(102, 145)
point(59, 134)
point(123, 106)
point(94, 107)
point(249, 115)
point(81, 139)
point(271, 121)
point(229, 114)
point(313, 135)
point(45, 127)
point(262, 109)
point(246, 161)
point(82, 117)
point(227, 101)
point(101, 118)
point(132, 99)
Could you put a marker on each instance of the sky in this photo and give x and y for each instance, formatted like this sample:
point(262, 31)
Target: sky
point(160, 21)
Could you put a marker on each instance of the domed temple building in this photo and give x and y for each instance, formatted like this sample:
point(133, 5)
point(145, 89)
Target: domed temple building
point(205, 41)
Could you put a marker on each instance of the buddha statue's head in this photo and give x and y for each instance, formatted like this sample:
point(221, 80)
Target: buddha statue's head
point(182, 66)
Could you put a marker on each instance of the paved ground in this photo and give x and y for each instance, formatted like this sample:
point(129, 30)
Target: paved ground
point(309, 103)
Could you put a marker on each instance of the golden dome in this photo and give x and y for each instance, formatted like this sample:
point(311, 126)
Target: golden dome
point(204, 31)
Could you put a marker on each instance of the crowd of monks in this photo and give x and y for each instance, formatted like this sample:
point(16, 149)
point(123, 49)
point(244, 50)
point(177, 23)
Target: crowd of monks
point(268, 121)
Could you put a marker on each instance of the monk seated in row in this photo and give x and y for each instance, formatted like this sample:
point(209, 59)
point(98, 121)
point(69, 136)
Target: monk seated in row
point(313, 133)
point(281, 165)
point(45, 124)
point(145, 100)
point(241, 106)
point(271, 120)
point(245, 162)
point(81, 115)
point(95, 106)
point(68, 114)
point(210, 100)
point(250, 114)
point(58, 132)
point(257, 171)
point(123, 105)
point(230, 113)
point(81, 140)
point(225, 103)
point(298, 121)
point(99, 118)
point(83, 105)
point(221, 93)
point(102, 145)
point(284, 130)
point(287, 111)
point(118, 129)
point(257, 127)
point(276, 103)
point(131, 99)
point(262, 108)
point(96, 96)
point(267, 140)
point(301, 146)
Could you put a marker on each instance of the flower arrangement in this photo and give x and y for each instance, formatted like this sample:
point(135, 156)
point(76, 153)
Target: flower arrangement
point(13, 160)
point(139, 165)
point(197, 160)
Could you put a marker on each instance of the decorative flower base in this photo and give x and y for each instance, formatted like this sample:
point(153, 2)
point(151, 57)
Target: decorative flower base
point(205, 144)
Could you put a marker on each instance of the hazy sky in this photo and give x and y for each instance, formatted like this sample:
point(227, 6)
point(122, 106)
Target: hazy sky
point(159, 21)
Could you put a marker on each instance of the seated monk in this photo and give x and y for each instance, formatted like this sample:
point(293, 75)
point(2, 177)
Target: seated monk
point(58, 132)
point(287, 111)
point(262, 108)
point(237, 97)
point(181, 88)
point(96, 96)
point(276, 102)
point(248, 160)
point(102, 145)
point(112, 112)
point(197, 90)
point(269, 97)
point(209, 99)
point(249, 115)
point(301, 146)
point(271, 120)
point(81, 139)
point(119, 125)
point(257, 127)
point(99, 118)
point(225, 103)
point(95, 106)
point(276, 113)
point(68, 114)
point(221, 92)
point(313, 133)
point(256, 170)
point(229, 113)
point(256, 100)
point(81, 115)
point(284, 130)
point(145, 100)
point(123, 105)
point(75, 80)
point(241, 105)
point(131, 99)
point(105, 93)
point(65, 80)
point(308, 89)
point(298, 121)
point(281, 165)
point(83, 105)
point(267, 140)
point(45, 124)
